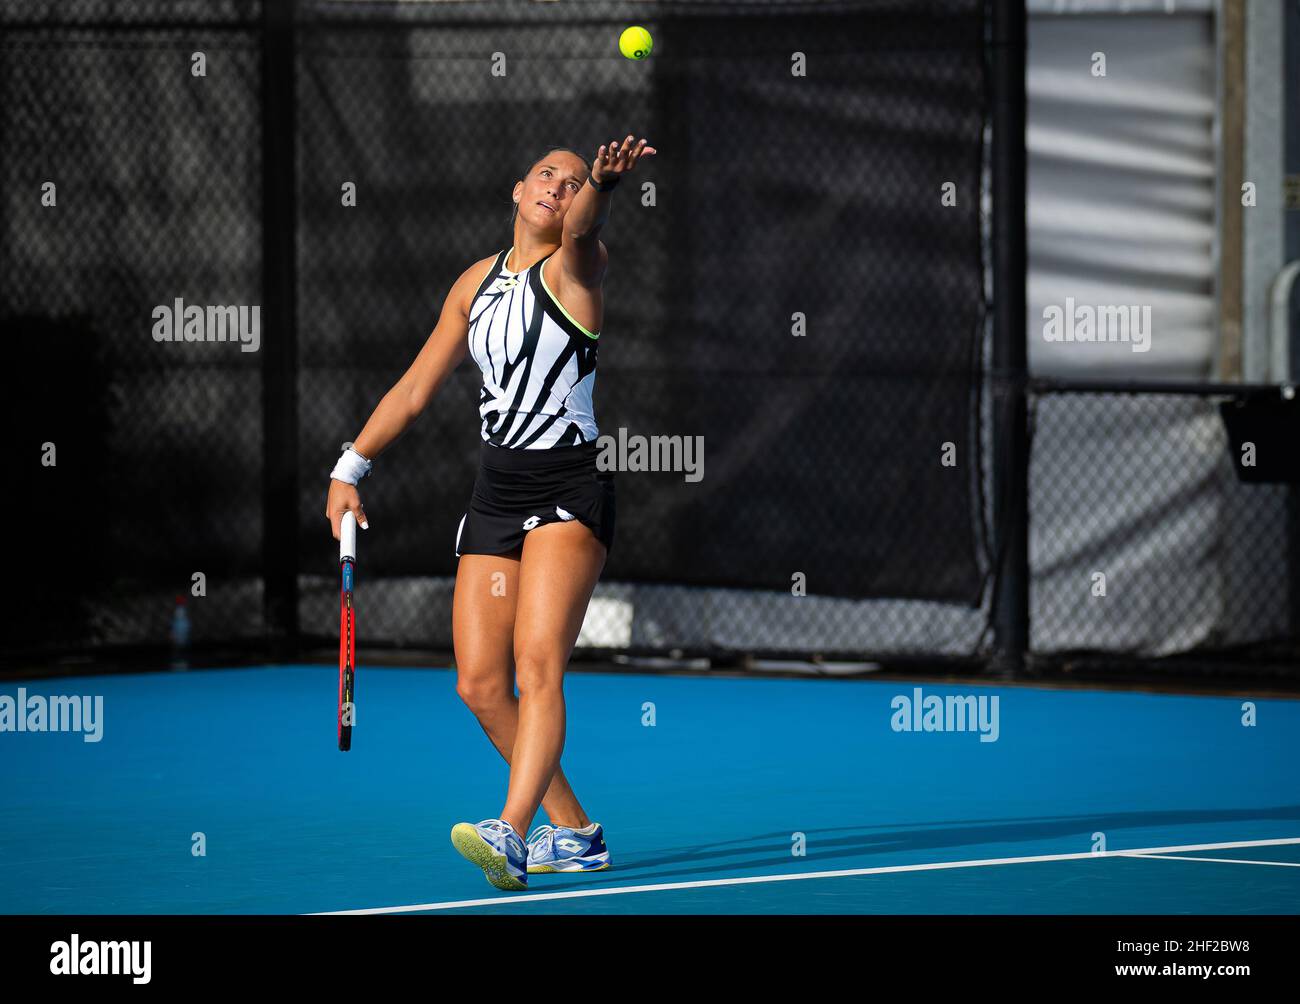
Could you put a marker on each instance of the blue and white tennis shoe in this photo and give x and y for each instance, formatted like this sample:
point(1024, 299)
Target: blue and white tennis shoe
point(564, 849)
point(497, 848)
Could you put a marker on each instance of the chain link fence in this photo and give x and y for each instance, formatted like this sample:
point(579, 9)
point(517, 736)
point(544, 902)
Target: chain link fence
point(814, 465)
point(802, 286)
point(1144, 541)
point(129, 184)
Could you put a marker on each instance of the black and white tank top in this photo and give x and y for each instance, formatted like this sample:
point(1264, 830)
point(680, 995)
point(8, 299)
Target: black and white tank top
point(538, 363)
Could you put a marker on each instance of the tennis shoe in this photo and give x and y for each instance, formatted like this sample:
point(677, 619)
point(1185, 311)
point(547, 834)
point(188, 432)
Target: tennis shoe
point(564, 849)
point(495, 847)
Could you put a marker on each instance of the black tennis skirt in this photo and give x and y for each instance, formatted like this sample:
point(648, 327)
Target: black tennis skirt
point(520, 490)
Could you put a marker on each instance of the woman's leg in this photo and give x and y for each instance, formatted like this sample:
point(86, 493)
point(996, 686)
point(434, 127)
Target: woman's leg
point(483, 622)
point(558, 570)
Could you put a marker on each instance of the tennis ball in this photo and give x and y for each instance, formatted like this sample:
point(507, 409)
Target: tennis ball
point(635, 42)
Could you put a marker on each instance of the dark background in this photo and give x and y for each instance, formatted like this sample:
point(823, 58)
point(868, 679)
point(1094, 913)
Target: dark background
point(775, 194)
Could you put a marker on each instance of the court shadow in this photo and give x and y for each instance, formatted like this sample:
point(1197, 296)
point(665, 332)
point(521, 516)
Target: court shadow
point(839, 847)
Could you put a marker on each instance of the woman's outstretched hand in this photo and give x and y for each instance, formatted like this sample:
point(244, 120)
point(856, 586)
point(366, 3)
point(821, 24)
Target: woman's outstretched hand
point(614, 159)
point(343, 497)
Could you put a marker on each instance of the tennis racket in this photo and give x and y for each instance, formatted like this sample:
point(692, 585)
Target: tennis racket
point(347, 630)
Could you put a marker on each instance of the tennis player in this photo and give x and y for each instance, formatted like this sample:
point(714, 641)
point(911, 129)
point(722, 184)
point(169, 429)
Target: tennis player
point(540, 521)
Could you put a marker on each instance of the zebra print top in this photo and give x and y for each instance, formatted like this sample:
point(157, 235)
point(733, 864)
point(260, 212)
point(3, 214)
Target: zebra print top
point(538, 363)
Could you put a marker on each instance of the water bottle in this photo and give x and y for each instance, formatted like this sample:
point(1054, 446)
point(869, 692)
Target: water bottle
point(180, 635)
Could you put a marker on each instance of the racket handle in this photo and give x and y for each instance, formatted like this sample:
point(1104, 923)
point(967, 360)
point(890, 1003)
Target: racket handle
point(348, 538)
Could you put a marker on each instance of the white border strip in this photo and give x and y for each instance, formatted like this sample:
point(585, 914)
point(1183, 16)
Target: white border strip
point(1222, 861)
point(798, 877)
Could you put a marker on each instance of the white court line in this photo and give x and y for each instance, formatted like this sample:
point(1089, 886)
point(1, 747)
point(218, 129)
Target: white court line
point(797, 877)
point(1225, 861)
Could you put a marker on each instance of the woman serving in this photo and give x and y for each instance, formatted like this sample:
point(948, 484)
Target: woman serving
point(540, 522)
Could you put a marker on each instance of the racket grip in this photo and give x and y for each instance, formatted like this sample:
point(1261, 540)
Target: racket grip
point(348, 538)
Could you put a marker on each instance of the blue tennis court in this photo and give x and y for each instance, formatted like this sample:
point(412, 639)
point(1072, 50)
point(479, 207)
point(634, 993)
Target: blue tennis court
point(707, 788)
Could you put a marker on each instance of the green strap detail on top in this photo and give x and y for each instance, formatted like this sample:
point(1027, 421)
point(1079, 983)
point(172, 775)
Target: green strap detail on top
point(541, 274)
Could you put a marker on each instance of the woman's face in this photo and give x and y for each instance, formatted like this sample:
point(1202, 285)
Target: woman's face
point(545, 195)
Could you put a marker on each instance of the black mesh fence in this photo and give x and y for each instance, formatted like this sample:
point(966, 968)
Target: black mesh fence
point(130, 185)
point(799, 286)
point(791, 294)
point(790, 291)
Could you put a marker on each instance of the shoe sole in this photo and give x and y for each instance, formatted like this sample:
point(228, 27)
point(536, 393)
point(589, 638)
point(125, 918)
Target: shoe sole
point(472, 847)
point(552, 870)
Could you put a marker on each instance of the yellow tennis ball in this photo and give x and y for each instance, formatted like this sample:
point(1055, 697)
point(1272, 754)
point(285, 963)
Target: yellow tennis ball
point(635, 42)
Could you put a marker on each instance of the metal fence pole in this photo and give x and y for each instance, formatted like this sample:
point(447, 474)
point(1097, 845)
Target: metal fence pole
point(280, 336)
point(1010, 442)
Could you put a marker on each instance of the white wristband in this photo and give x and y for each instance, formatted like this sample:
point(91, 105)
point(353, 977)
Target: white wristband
point(351, 468)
